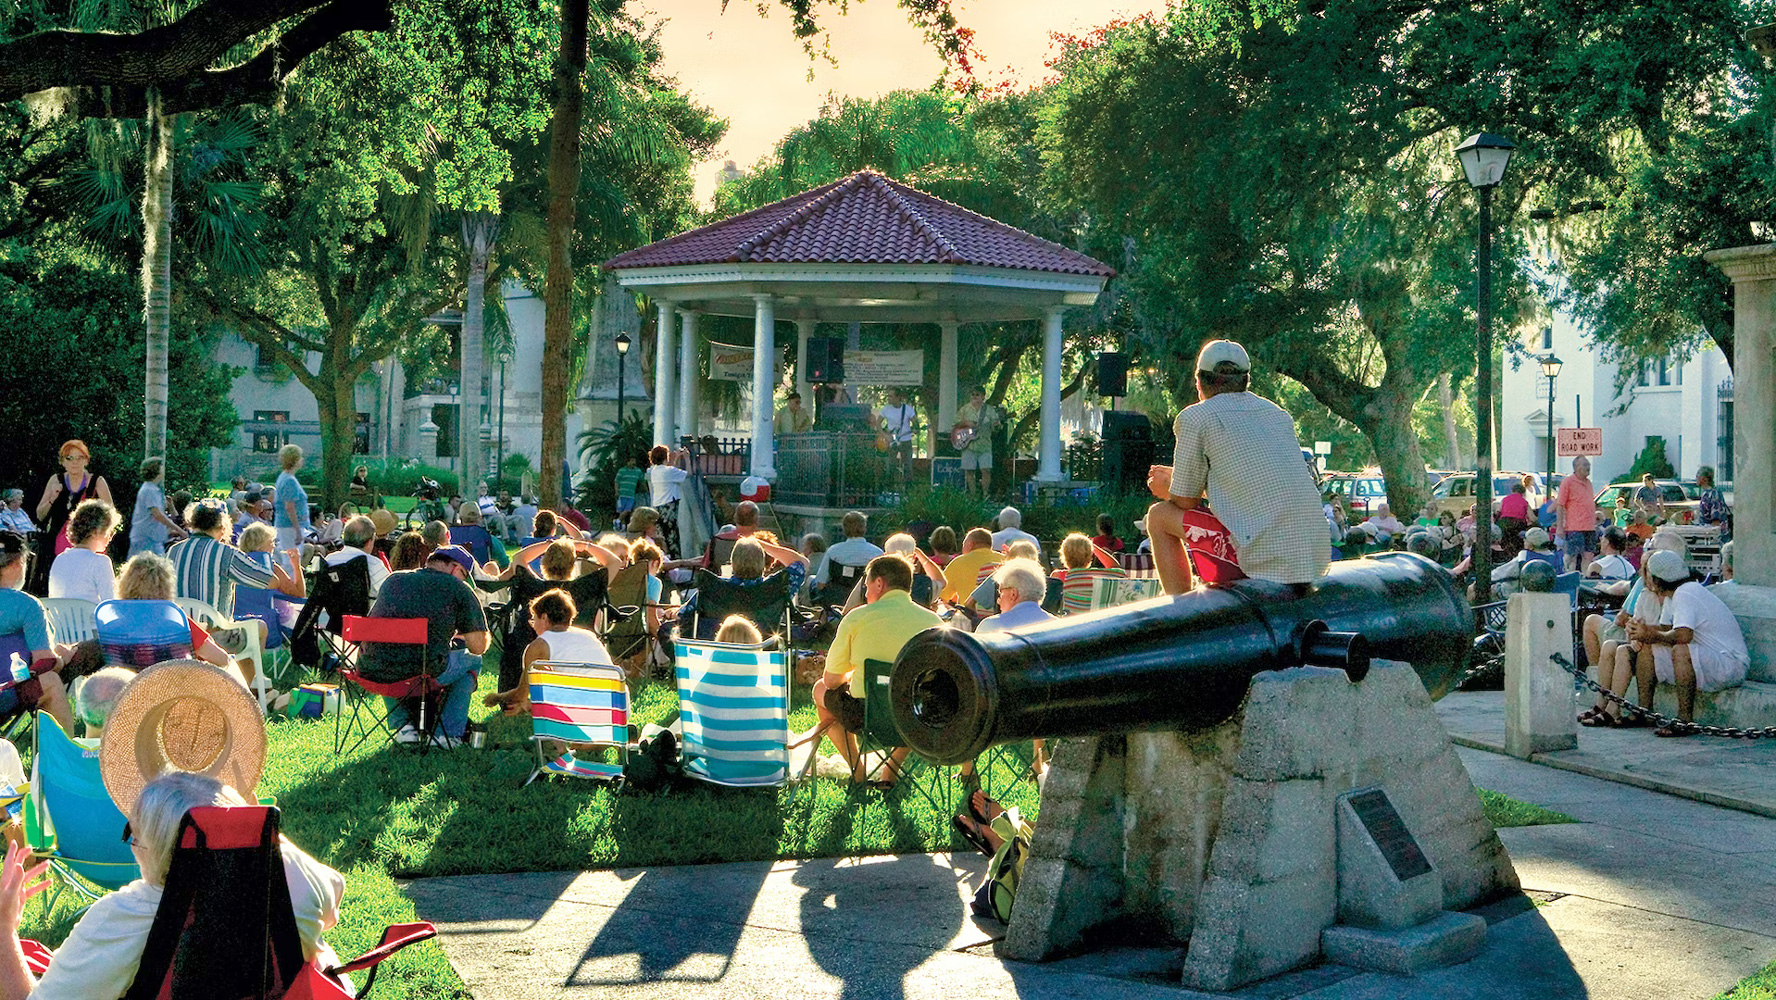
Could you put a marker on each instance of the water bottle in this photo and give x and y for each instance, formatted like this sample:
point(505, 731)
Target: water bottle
point(21, 671)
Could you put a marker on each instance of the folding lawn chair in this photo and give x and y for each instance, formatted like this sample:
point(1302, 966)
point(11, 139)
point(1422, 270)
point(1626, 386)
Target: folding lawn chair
point(1077, 588)
point(225, 927)
point(1138, 565)
point(1109, 591)
point(765, 604)
point(71, 819)
point(70, 619)
point(212, 620)
point(840, 579)
point(367, 716)
point(336, 593)
point(583, 705)
point(142, 633)
point(18, 698)
point(734, 712)
point(625, 631)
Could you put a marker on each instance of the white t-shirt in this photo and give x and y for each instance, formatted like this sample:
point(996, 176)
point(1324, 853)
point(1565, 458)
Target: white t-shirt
point(83, 574)
point(100, 957)
point(899, 420)
point(1005, 536)
point(1694, 608)
point(575, 645)
point(379, 570)
point(663, 483)
point(1612, 567)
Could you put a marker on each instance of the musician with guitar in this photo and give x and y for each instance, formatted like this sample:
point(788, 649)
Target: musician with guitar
point(973, 437)
point(895, 425)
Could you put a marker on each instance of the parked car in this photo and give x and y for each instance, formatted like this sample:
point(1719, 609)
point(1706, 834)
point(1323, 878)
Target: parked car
point(1682, 501)
point(1362, 493)
point(1456, 492)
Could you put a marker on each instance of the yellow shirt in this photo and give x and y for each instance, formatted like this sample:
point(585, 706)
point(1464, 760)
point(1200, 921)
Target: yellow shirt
point(876, 632)
point(960, 576)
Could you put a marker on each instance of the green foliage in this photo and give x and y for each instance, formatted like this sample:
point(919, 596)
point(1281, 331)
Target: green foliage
point(1651, 459)
point(400, 479)
point(609, 448)
point(1503, 811)
point(70, 322)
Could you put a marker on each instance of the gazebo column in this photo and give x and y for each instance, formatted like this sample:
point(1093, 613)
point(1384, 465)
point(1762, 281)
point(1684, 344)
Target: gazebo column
point(946, 378)
point(689, 382)
point(1048, 468)
point(764, 383)
point(665, 366)
point(804, 330)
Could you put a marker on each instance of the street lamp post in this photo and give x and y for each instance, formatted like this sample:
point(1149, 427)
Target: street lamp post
point(1550, 368)
point(1483, 157)
point(499, 469)
point(622, 363)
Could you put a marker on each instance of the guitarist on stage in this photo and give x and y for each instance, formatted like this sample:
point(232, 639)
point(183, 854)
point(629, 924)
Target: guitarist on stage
point(973, 437)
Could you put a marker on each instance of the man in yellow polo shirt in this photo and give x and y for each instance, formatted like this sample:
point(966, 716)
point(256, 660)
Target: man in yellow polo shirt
point(962, 575)
point(875, 631)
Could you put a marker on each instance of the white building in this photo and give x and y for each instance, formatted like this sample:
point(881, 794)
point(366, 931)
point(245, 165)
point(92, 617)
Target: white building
point(1686, 401)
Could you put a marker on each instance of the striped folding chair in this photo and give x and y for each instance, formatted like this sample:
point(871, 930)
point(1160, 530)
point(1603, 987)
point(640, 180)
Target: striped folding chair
point(1110, 591)
point(584, 705)
point(734, 710)
point(1078, 587)
point(1138, 565)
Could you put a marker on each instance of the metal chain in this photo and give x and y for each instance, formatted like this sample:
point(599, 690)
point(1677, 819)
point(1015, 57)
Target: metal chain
point(1582, 683)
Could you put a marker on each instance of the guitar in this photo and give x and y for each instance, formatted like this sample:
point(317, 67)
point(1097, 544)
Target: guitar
point(966, 434)
point(962, 437)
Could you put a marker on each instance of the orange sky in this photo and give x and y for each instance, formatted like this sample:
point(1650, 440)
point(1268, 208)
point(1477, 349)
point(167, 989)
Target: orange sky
point(753, 71)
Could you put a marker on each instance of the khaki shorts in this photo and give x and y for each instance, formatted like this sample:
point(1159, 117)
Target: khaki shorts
point(1715, 671)
point(973, 460)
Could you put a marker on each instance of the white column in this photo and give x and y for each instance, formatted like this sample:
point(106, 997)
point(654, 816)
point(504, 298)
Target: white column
point(804, 330)
point(689, 380)
point(946, 378)
point(665, 365)
point(1048, 466)
point(764, 384)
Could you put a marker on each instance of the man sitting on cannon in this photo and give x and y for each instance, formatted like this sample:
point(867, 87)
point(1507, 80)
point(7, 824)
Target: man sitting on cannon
point(1241, 450)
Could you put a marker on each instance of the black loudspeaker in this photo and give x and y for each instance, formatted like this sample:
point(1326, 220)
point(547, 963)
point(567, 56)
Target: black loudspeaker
point(1128, 450)
point(826, 360)
point(1113, 369)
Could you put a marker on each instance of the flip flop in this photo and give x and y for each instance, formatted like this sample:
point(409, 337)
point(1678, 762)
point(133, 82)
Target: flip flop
point(976, 814)
point(1602, 720)
point(960, 825)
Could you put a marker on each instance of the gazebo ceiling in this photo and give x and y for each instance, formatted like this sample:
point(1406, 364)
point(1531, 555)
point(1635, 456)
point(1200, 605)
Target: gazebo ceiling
point(864, 248)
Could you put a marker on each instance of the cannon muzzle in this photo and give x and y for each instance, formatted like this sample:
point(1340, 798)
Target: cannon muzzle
point(1174, 662)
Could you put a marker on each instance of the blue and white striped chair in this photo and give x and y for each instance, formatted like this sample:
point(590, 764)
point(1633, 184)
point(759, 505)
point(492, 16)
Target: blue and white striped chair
point(582, 705)
point(734, 711)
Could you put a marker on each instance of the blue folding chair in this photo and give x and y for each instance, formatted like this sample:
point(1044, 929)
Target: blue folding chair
point(734, 711)
point(142, 633)
point(71, 819)
point(582, 705)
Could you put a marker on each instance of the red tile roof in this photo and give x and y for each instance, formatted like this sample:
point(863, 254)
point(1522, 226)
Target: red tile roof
point(861, 219)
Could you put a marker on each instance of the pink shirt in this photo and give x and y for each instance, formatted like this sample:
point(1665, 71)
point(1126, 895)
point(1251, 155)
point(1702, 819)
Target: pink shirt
point(1577, 504)
point(1514, 505)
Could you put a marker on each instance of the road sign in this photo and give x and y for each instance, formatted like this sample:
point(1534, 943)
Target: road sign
point(1578, 440)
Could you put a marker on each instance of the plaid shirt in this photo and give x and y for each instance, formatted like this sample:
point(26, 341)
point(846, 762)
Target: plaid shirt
point(1241, 449)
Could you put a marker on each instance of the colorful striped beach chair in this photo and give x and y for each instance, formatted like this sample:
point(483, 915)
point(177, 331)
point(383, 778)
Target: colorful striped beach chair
point(734, 710)
point(585, 706)
point(1110, 591)
point(1080, 584)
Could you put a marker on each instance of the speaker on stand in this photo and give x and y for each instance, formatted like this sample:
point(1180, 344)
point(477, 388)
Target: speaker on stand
point(1128, 450)
point(1112, 374)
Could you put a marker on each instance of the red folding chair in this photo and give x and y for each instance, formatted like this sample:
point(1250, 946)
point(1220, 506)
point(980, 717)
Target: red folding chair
point(225, 927)
point(367, 716)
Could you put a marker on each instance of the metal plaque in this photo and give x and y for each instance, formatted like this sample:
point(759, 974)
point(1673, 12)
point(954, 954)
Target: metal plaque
point(1389, 832)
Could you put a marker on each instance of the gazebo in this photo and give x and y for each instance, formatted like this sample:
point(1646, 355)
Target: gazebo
point(860, 249)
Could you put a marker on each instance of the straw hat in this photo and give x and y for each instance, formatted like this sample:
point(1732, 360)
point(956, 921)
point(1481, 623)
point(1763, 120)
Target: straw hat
point(181, 715)
point(384, 520)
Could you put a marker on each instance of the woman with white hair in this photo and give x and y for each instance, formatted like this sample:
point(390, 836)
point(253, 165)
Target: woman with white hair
point(928, 580)
point(100, 957)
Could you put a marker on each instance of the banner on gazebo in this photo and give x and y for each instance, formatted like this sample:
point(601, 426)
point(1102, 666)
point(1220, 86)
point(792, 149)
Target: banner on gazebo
point(732, 363)
point(881, 368)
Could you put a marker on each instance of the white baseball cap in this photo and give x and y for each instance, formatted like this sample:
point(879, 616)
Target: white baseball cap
point(1217, 353)
point(1667, 566)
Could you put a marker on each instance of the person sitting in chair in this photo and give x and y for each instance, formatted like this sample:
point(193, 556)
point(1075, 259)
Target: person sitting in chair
point(357, 537)
point(855, 550)
point(1021, 587)
point(101, 955)
point(749, 561)
point(94, 698)
point(21, 614)
point(876, 631)
point(440, 593)
point(558, 640)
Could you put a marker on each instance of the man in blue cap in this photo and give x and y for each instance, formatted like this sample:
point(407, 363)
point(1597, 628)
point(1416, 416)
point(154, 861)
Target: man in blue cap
point(440, 593)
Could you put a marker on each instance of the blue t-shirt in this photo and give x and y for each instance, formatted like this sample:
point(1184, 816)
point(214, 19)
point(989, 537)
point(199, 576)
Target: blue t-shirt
point(20, 612)
point(290, 491)
point(146, 533)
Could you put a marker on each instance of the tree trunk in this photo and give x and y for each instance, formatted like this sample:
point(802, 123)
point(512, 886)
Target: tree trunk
point(564, 183)
point(337, 403)
point(1387, 422)
point(479, 230)
point(157, 277)
point(1451, 435)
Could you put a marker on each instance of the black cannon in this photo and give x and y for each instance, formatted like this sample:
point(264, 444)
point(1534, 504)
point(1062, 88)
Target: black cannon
point(1176, 662)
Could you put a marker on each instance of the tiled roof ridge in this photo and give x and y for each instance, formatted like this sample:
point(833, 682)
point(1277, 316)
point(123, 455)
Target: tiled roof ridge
point(834, 192)
point(897, 195)
point(1003, 227)
point(730, 222)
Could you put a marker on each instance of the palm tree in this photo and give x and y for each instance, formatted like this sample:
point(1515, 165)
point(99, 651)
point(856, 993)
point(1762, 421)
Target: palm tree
point(479, 230)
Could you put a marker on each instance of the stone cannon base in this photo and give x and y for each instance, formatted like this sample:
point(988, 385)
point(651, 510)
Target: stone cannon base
point(1250, 839)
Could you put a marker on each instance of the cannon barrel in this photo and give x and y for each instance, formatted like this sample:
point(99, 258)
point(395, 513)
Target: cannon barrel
point(1173, 662)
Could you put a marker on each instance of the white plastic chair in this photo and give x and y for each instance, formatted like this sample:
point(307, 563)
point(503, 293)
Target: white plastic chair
point(70, 619)
point(211, 620)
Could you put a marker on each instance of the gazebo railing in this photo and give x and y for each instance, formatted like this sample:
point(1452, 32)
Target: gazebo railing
point(826, 469)
point(713, 456)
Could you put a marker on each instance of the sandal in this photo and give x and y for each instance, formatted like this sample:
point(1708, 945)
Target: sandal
point(968, 833)
point(1601, 720)
point(1588, 714)
point(1676, 730)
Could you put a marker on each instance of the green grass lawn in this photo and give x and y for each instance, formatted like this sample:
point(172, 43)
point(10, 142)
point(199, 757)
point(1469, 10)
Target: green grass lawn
point(380, 815)
point(1758, 986)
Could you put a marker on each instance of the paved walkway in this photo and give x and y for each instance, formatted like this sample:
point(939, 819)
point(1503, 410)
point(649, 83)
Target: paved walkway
point(1649, 896)
point(1738, 774)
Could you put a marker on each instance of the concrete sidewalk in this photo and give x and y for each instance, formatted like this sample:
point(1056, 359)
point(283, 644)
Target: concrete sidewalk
point(1738, 774)
point(1647, 897)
